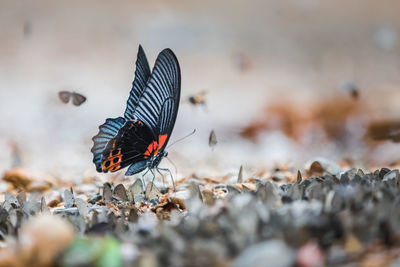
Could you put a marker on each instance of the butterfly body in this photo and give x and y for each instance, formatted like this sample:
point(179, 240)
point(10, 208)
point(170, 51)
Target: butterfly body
point(138, 139)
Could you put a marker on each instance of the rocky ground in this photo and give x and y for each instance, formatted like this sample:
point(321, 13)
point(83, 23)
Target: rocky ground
point(320, 216)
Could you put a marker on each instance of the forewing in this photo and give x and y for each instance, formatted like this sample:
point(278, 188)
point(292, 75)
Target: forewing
point(64, 96)
point(127, 147)
point(142, 75)
point(159, 103)
point(78, 99)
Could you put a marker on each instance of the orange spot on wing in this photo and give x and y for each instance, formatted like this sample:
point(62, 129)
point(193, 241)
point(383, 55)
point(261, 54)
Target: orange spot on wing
point(113, 161)
point(155, 146)
point(162, 139)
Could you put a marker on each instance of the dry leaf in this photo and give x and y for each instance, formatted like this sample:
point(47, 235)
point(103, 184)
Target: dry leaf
point(39, 186)
point(208, 197)
point(249, 186)
point(316, 168)
point(382, 129)
point(19, 178)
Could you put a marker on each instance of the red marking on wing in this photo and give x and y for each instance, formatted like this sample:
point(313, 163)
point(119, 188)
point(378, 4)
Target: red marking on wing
point(155, 146)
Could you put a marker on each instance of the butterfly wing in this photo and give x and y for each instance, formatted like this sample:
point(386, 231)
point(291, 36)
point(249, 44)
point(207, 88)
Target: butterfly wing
point(64, 96)
point(127, 147)
point(158, 105)
point(78, 99)
point(142, 75)
point(107, 131)
point(148, 120)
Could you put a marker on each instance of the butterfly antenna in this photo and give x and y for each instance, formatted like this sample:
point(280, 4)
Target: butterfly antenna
point(180, 139)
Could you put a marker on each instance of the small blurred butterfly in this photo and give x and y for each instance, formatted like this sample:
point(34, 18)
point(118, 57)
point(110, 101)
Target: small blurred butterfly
point(352, 89)
point(77, 99)
point(212, 140)
point(138, 139)
point(199, 98)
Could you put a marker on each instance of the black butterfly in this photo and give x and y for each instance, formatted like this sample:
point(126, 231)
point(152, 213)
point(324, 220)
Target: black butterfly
point(139, 138)
point(77, 99)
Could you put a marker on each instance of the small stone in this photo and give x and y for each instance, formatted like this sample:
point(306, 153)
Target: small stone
point(266, 253)
point(383, 172)
point(392, 175)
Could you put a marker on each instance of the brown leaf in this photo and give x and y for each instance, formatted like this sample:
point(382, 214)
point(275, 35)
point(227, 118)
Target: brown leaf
point(19, 178)
point(249, 186)
point(53, 203)
point(179, 202)
point(208, 197)
point(210, 180)
point(316, 168)
point(112, 208)
point(39, 186)
point(383, 130)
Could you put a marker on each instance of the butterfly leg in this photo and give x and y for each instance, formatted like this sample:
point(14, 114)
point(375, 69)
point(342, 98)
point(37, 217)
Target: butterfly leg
point(170, 173)
point(143, 181)
point(152, 181)
point(162, 175)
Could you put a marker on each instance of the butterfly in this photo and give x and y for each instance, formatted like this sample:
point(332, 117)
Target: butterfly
point(212, 139)
point(198, 99)
point(352, 89)
point(77, 99)
point(138, 139)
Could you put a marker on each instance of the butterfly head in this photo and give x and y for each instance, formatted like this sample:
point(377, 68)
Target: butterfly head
point(156, 159)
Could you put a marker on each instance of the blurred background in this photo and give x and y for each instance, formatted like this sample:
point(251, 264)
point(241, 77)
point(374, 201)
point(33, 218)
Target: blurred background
point(283, 81)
